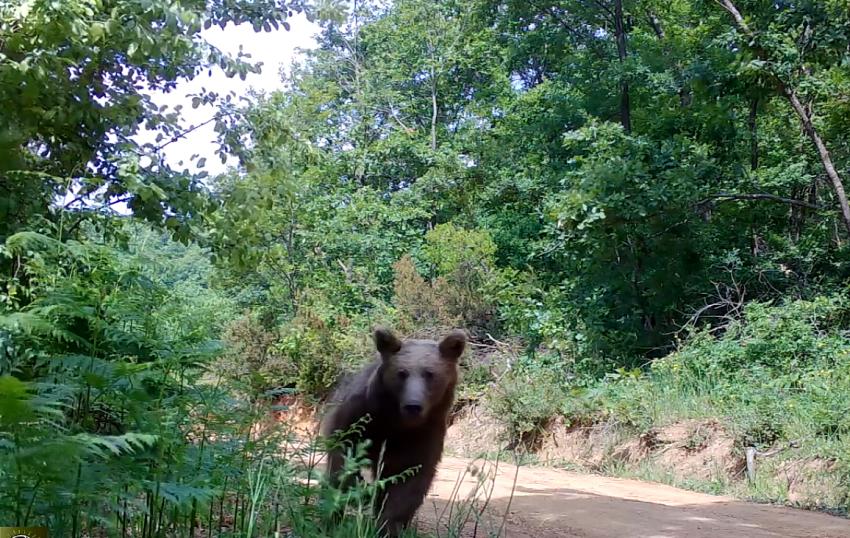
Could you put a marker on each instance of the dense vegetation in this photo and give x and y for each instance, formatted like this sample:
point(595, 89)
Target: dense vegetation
point(638, 205)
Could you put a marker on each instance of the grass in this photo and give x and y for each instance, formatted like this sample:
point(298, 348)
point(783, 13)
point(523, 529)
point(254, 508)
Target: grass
point(298, 489)
point(779, 375)
point(472, 510)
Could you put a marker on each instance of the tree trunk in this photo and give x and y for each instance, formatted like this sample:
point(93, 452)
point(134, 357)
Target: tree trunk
point(363, 128)
point(622, 52)
point(655, 24)
point(823, 152)
point(754, 134)
point(805, 116)
point(434, 111)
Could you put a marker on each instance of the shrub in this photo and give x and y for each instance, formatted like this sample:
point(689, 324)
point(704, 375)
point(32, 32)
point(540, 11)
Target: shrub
point(252, 354)
point(310, 344)
point(464, 261)
point(529, 395)
point(781, 372)
point(423, 309)
point(448, 248)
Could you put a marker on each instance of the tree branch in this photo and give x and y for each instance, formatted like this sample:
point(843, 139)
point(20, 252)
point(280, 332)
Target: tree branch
point(655, 24)
point(605, 8)
point(739, 20)
point(787, 90)
point(549, 10)
point(182, 134)
point(757, 196)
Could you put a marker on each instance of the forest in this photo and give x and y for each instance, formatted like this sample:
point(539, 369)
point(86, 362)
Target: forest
point(635, 208)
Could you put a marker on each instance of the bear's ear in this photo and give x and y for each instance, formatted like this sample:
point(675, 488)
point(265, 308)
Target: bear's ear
point(451, 347)
point(386, 342)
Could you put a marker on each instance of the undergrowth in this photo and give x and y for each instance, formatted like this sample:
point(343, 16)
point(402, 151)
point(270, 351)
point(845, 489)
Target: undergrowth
point(779, 374)
point(117, 420)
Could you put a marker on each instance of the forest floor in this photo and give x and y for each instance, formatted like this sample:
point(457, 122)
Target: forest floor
point(543, 502)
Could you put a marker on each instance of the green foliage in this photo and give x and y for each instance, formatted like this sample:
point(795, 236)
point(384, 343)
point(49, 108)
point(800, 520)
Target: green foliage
point(422, 305)
point(634, 202)
point(96, 370)
point(73, 76)
point(528, 396)
point(448, 248)
point(781, 372)
point(251, 354)
point(310, 345)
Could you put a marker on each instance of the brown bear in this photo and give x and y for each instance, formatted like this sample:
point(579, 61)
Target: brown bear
point(407, 392)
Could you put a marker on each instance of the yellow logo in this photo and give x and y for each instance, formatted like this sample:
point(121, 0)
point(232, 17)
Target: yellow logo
point(23, 532)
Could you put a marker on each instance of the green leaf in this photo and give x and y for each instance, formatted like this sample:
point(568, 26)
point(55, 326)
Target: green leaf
point(97, 31)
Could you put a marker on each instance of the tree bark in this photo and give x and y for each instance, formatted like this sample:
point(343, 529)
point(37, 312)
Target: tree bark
point(805, 115)
point(823, 152)
point(434, 111)
point(655, 24)
point(754, 134)
point(622, 52)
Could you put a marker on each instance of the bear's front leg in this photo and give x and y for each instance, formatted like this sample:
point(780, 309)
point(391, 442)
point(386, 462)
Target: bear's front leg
point(401, 500)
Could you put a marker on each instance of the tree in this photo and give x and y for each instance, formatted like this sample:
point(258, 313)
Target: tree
point(820, 40)
point(73, 80)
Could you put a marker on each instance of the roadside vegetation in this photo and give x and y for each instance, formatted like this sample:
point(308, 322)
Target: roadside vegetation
point(636, 208)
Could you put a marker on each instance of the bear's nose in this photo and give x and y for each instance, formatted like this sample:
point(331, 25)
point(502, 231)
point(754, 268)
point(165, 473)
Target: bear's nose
point(413, 410)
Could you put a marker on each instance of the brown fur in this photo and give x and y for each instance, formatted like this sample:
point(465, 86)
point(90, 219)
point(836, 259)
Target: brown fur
point(407, 393)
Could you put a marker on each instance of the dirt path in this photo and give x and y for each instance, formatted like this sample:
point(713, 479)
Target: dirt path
point(542, 502)
point(553, 503)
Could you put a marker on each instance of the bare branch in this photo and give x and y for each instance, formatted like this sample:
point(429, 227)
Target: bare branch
point(739, 20)
point(805, 114)
point(655, 24)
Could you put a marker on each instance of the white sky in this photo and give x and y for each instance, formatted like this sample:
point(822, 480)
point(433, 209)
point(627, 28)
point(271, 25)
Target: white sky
point(274, 49)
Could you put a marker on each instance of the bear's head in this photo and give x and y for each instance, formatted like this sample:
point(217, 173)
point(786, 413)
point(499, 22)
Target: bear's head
point(420, 374)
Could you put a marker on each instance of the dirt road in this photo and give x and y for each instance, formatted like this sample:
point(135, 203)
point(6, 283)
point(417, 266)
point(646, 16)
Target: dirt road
point(550, 503)
point(542, 502)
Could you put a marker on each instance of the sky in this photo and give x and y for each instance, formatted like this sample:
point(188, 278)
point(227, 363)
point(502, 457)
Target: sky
point(274, 49)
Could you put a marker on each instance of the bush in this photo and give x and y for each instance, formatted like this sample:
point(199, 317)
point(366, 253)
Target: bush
point(529, 395)
point(460, 263)
point(423, 308)
point(310, 344)
point(448, 248)
point(464, 262)
point(252, 354)
point(781, 372)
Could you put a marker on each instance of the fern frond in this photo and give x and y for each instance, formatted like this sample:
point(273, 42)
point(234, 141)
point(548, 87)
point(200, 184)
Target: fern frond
point(26, 322)
point(184, 494)
point(104, 446)
point(27, 241)
point(22, 403)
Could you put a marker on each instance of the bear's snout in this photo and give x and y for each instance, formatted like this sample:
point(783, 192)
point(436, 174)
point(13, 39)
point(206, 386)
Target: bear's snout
point(413, 399)
point(412, 410)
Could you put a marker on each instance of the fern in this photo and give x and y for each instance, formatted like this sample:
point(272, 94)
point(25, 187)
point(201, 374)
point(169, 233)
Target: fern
point(183, 494)
point(104, 427)
point(104, 446)
point(21, 405)
point(26, 242)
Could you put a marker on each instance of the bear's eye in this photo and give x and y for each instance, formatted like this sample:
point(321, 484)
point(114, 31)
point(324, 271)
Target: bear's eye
point(428, 375)
point(402, 374)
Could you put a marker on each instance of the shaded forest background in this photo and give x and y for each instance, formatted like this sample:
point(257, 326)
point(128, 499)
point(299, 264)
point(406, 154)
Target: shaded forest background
point(635, 207)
